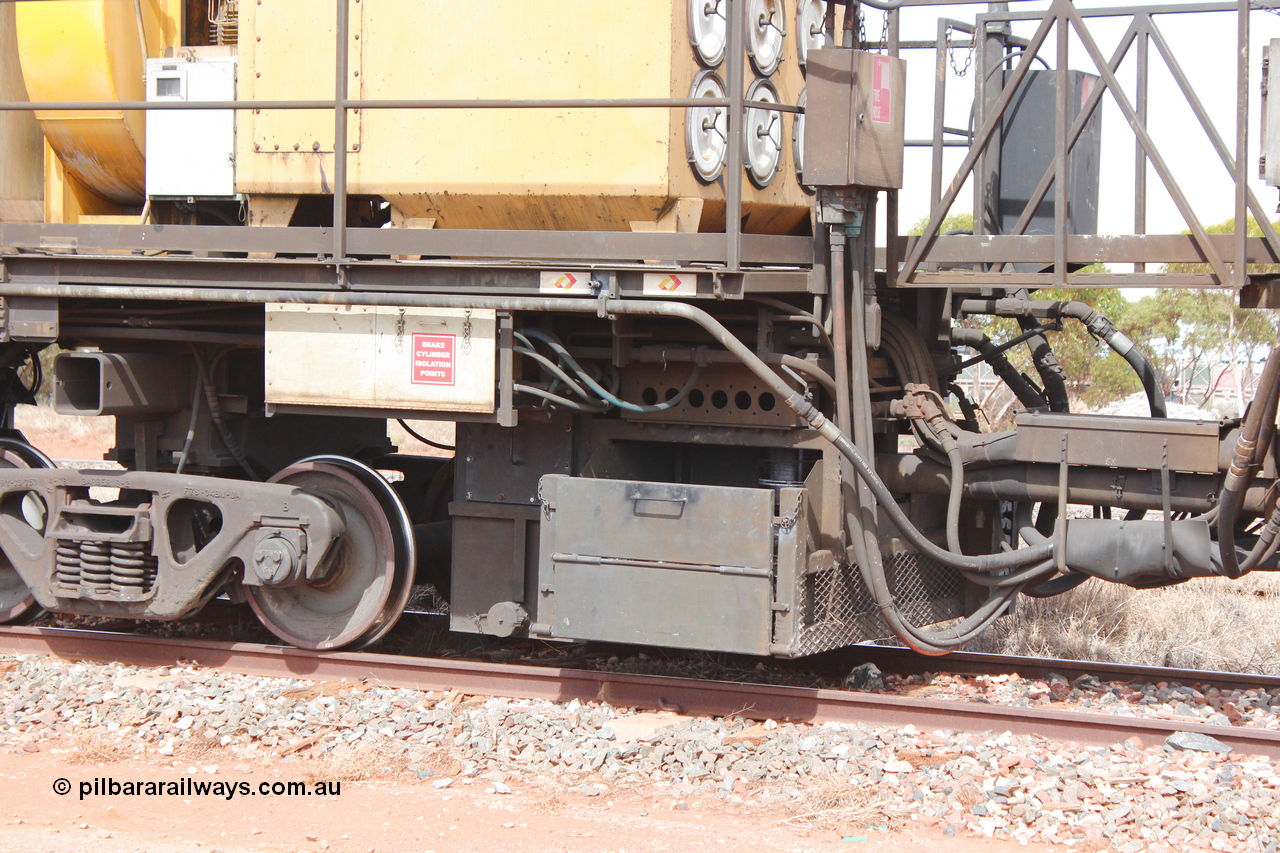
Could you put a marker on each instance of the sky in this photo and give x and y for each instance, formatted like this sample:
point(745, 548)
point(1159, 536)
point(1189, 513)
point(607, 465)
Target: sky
point(1204, 44)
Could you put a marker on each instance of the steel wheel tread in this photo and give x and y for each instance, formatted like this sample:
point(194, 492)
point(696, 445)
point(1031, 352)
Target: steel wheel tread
point(372, 575)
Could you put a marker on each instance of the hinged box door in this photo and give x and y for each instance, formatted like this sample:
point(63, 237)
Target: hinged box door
point(657, 563)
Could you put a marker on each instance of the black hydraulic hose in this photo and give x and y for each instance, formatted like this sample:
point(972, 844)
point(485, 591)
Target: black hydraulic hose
point(604, 394)
point(422, 438)
point(1047, 365)
point(1027, 395)
point(1057, 585)
point(981, 563)
point(1244, 464)
point(1104, 330)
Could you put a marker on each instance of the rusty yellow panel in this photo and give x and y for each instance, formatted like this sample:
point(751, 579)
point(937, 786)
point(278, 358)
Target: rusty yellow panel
point(544, 50)
point(21, 147)
point(595, 169)
point(293, 58)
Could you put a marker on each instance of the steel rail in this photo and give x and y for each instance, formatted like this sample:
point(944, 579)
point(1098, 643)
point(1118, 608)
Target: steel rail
point(901, 661)
point(687, 696)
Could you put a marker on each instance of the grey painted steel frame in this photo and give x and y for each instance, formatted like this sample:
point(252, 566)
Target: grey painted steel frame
point(1065, 17)
point(184, 582)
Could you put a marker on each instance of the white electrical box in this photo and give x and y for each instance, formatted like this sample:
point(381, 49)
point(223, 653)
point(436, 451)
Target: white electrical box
point(191, 153)
point(383, 357)
point(1269, 162)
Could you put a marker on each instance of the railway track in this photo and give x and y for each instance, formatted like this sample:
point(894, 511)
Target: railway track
point(688, 696)
point(906, 662)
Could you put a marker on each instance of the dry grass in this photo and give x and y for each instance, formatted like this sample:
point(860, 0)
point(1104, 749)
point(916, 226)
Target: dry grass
point(1210, 623)
point(548, 802)
point(93, 748)
point(355, 764)
point(203, 750)
point(833, 802)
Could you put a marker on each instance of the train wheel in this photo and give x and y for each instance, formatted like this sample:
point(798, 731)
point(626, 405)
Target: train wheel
point(17, 605)
point(371, 575)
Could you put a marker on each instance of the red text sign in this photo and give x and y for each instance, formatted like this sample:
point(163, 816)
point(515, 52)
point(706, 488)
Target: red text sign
point(881, 92)
point(433, 359)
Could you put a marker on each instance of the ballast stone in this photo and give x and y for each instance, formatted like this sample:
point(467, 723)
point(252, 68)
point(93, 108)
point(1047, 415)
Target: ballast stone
point(1194, 742)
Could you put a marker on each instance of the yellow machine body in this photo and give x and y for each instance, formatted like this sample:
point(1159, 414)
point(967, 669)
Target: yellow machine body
point(21, 148)
point(570, 169)
point(93, 50)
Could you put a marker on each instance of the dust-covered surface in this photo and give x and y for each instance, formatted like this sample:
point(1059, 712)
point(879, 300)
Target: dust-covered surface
point(799, 784)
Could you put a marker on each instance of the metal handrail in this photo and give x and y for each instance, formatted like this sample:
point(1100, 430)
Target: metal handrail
point(1228, 270)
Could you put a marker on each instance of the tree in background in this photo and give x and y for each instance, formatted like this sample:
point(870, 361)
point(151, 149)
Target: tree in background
point(1180, 330)
point(1184, 330)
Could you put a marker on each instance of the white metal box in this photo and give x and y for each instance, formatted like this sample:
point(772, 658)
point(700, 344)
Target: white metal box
point(191, 153)
point(1269, 163)
point(384, 357)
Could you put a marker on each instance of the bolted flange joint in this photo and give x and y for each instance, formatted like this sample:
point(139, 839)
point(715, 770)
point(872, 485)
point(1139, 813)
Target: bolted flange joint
point(279, 557)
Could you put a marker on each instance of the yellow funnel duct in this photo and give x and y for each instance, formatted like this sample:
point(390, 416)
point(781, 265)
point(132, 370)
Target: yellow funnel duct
point(94, 50)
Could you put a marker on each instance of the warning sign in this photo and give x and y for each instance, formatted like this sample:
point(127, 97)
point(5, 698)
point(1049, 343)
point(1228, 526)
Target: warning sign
point(433, 359)
point(881, 91)
point(670, 284)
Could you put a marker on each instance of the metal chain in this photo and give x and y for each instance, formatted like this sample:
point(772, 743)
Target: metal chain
point(951, 55)
point(466, 333)
point(884, 35)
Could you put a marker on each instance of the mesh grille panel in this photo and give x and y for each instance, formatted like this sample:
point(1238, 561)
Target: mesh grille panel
point(837, 610)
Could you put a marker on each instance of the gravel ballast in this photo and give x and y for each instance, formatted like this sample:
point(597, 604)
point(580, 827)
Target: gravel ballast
point(1129, 797)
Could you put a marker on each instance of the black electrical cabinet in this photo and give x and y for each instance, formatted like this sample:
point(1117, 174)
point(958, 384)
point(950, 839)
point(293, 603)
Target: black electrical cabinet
point(1027, 148)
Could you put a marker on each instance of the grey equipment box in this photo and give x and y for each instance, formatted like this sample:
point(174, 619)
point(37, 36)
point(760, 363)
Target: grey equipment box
point(1027, 148)
point(854, 119)
point(665, 564)
point(1113, 441)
